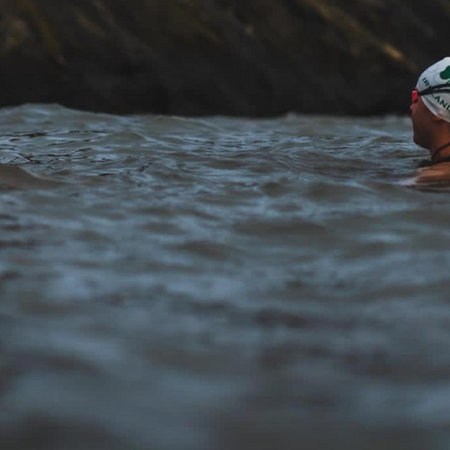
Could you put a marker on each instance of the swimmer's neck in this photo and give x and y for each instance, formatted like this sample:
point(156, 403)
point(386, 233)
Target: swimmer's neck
point(440, 149)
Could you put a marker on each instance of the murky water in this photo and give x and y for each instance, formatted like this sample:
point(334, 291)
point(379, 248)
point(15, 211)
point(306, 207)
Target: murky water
point(177, 283)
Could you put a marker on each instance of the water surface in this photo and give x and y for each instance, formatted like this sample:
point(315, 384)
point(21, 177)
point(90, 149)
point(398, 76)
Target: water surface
point(197, 283)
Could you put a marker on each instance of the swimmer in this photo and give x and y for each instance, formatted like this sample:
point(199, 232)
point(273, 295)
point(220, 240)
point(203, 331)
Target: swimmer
point(430, 113)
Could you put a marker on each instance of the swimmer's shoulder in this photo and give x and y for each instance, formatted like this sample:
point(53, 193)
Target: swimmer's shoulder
point(434, 174)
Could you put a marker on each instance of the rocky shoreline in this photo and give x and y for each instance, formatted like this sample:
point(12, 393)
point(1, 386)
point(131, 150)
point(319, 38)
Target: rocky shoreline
point(195, 57)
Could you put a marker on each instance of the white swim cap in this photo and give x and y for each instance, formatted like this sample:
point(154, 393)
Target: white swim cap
point(437, 75)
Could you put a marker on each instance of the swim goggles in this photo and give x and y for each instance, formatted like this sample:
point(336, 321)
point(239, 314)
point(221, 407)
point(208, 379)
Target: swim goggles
point(415, 94)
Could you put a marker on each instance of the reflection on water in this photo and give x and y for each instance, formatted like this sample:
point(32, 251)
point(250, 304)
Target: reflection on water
point(178, 283)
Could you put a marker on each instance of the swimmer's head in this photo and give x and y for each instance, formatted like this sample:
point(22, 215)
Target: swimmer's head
point(434, 88)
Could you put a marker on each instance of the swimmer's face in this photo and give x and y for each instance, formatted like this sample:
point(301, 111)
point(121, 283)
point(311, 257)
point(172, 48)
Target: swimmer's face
point(422, 120)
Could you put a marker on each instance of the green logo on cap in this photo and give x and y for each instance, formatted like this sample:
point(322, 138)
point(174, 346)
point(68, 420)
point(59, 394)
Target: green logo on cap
point(445, 75)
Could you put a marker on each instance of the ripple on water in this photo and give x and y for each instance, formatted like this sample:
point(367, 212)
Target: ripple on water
point(205, 273)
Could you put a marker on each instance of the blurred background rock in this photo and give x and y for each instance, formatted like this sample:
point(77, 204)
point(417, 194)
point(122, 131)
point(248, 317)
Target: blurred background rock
point(239, 57)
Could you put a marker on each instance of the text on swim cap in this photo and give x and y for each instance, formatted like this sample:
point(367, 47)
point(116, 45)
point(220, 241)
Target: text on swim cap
point(441, 102)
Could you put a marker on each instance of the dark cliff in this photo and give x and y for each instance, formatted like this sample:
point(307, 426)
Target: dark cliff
point(247, 57)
